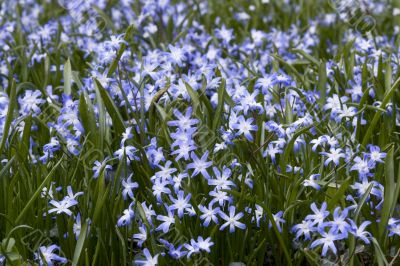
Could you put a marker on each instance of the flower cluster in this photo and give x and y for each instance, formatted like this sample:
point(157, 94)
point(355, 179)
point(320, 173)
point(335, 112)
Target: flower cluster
point(198, 131)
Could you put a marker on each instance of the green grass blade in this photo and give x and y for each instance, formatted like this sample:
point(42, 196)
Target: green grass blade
point(38, 191)
point(12, 105)
point(67, 77)
point(377, 116)
point(80, 243)
point(112, 109)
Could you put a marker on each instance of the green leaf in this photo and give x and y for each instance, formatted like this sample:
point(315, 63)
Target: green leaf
point(352, 242)
point(11, 106)
point(99, 205)
point(194, 96)
point(289, 148)
point(6, 167)
point(312, 257)
point(278, 235)
point(80, 243)
point(379, 255)
point(288, 110)
point(88, 118)
point(220, 107)
point(25, 141)
point(122, 241)
point(37, 192)
point(390, 197)
point(377, 116)
point(388, 75)
point(152, 107)
point(290, 68)
point(121, 51)
point(118, 121)
point(322, 80)
point(162, 112)
point(339, 195)
point(307, 56)
point(67, 77)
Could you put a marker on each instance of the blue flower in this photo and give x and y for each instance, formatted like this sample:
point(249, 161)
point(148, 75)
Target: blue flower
point(167, 221)
point(204, 244)
point(148, 260)
point(334, 103)
point(331, 141)
point(128, 152)
point(244, 126)
point(394, 227)
point(99, 166)
point(149, 69)
point(174, 252)
point(47, 253)
point(184, 150)
point(30, 102)
point(166, 171)
point(363, 166)
point(192, 248)
point(258, 214)
point(141, 236)
point(181, 203)
point(346, 112)
point(159, 187)
point(127, 217)
point(310, 182)
point(115, 42)
point(176, 55)
point(224, 34)
point(183, 136)
point(177, 180)
point(149, 212)
point(73, 145)
point(71, 195)
point(265, 83)
point(359, 231)
point(221, 180)
point(248, 102)
point(356, 90)
point(126, 135)
point(339, 223)
point(377, 189)
point(333, 155)
point(272, 126)
point(294, 170)
point(199, 165)
point(77, 226)
point(62, 206)
point(184, 122)
point(375, 154)
point(271, 151)
point(52, 146)
point(327, 240)
point(220, 197)
point(317, 142)
point(278, 220)
point(232, 220)
point(209, 214)
point(319, 214)
point(129, 186)
point(155, 156)
point(306, 227)
point(283, 79)
point(180, 90)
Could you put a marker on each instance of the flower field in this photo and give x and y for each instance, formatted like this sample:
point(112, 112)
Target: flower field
point(166, 132)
